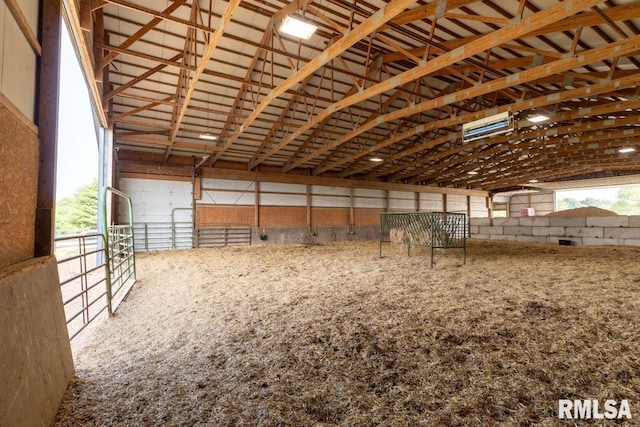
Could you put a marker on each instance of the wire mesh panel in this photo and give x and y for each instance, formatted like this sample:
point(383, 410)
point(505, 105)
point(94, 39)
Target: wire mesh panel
point(436, 230)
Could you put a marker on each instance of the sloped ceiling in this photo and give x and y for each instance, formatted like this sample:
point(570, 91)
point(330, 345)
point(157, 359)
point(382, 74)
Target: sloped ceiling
point(393, 80)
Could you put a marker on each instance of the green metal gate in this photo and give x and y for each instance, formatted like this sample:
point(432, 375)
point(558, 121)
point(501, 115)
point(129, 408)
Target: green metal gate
point(120, 248)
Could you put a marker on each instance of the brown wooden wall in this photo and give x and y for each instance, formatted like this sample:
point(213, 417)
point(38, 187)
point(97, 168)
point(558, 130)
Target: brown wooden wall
point(324, 217)
point(367, 216)
point(283, 216)
point(221, 214)
point(18, 188)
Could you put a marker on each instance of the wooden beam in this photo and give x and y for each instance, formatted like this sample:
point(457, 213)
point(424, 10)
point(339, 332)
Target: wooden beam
point(140, 78)
point(626, 46)
point(476, 18)
point(24, 26)
point(586, 19)
point(427, 10)
point(275, 19)
point(47, 96)
point(479, 44)
point(161, 15)
point(141, 32)
point(542, 101)
point(369, 25)
point(141, 108)
point(204, 59)
point(573, 144)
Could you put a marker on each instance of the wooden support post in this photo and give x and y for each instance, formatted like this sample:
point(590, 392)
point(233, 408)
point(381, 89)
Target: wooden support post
point(98, 41)
point(388, 202)
point(417, 196)
point(444, 202)
point(47, 94)
point(489, 206)
point(468, 215)
point(256, 204)
point(309, 207)
point(351, 212)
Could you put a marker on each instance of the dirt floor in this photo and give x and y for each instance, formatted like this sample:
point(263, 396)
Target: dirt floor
point(333, 335)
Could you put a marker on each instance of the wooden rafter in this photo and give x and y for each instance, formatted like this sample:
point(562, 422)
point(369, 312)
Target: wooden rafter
point(541, 19)
point(204, 59)
point(141, 32)
point(560, 65)
point(371, 24)
point(542, 101)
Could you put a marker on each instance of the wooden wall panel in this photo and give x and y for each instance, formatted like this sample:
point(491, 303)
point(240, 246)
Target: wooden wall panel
point(367, 216)
point(283, 216)
point(323, 217)
point(217, 214)
point(18, 188)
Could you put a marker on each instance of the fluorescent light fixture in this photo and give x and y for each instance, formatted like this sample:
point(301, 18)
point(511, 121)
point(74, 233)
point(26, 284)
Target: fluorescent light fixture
point(626, 150)
point(297, 28)
point(207, 136)
point(487, 127)
point(375, 159)
point(533, 181)
point(472, 172)
point(537, 118)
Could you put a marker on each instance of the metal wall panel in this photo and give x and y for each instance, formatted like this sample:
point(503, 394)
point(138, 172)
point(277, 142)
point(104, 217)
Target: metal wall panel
point(155, 200)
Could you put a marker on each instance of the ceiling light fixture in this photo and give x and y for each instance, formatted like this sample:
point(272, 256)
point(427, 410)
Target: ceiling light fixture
point(207, 136)
point(375, 159)
point(537, 118)
point(297, 27)
point(626, 150)
point(472, 172)
point(533, 181)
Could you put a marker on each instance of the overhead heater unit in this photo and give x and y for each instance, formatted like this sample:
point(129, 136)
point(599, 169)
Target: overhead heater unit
point(489, 126)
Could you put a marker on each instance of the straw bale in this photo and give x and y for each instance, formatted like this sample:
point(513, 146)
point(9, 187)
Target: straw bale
point(332, 334)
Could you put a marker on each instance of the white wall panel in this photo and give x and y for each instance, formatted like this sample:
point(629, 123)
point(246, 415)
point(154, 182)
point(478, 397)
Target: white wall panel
point(479, 207)
point(365, 192)
point(283, 188)
point(30, 10)
point(19, 61)
point(362, 202)
point(330, 202)
point(402, 204)
point(227, 184)
point(282, 199)
point(543, 203)
point(331, 191)
point(212, 197)
point(430, 202)
point(154, 200)
point(456, 203)
point(402, 195)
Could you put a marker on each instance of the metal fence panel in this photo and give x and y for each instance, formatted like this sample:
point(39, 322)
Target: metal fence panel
point(436, 230)
point(83, 279)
